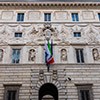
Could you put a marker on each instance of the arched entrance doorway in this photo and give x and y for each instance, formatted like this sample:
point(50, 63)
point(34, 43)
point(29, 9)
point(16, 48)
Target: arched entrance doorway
point(48, 91)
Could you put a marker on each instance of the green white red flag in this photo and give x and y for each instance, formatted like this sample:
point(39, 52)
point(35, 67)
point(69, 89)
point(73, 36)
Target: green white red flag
point(49, 53)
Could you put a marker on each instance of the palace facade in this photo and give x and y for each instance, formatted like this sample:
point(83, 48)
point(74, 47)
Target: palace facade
point(74, 28)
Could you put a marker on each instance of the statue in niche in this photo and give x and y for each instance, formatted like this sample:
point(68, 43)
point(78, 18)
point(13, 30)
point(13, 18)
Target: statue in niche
point(95, 54)
point(32, 55)
point(63, 55)
point(1, 54)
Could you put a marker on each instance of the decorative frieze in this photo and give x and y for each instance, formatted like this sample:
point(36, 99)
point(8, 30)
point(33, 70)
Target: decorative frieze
point(63, 33)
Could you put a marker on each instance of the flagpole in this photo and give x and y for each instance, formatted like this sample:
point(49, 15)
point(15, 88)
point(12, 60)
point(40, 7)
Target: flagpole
point(48, 65)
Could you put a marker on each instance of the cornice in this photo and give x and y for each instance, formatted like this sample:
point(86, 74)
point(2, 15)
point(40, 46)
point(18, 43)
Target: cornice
point(31, 4)
point(65, 23)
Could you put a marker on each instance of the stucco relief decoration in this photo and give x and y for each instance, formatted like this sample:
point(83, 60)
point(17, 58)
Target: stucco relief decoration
point(92, 33)
point(32, 55)
point(33, 30)
point(1, 55)
point(98, 35)
point(76, 28)
point(30, 33)
point(53, 30)
point(63, 55)
point(47, 34)
point(95, 54)
point(64, 34)
point(5, 33)
point(2, 29)
point(40, 33)
point(92, 36)
point(5, 30)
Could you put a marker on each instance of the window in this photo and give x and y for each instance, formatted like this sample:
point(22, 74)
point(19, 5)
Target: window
point(1, 55)
point(75, 17)
point(85, 91)
point(99, 16)
point(47, 16)
point(84, 94)
point(18, 34)
point(16, 56)
point(11, 92)
point(79, 56)
point(77, 34)
point(20, 17)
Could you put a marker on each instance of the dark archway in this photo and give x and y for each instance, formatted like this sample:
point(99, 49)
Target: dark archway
point(48, 89)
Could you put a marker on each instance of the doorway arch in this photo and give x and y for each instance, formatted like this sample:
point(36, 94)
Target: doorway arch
point(49, 91)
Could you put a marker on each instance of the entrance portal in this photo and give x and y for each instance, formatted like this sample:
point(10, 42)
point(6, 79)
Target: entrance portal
point(48, 91)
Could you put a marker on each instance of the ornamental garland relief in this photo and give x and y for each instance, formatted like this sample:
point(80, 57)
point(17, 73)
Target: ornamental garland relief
point(62, 33)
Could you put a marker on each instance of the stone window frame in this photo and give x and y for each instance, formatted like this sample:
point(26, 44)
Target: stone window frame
point(84, 87)
point(99, 16)
point(75, 12)
point(17, 12)
point(14, 46)
point(2, 56)
point(19, 36)
point(79, 48)
point(79, 34)
point(14, 87)
point(44, 16)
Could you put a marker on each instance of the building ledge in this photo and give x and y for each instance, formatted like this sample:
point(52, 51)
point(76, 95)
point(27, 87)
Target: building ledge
point(31, 4)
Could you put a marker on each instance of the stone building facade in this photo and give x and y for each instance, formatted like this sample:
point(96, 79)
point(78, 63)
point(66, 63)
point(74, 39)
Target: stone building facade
point(74, 28)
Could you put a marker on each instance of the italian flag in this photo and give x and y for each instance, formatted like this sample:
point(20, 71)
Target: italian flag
point(49, 53)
